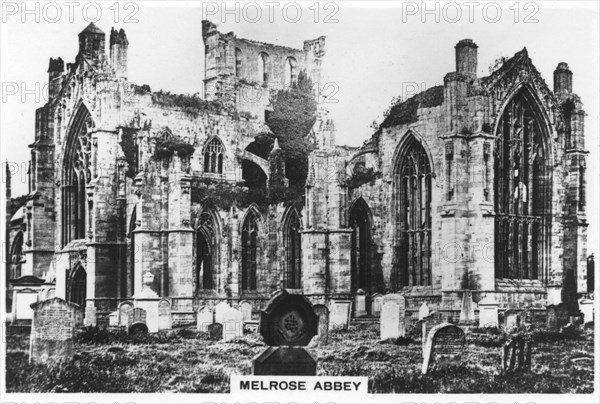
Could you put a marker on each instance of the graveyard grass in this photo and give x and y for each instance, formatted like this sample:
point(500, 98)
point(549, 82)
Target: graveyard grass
point(187, 361)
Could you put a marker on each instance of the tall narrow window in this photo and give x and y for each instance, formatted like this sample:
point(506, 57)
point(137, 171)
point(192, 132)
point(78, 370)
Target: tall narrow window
point(413, 185)
point(213, 157)
point(360, 253)
point(249, 251)
point(522, 185)
point(290, 71)
point(238, 62)
point(16, 256)
point(263, 68)
point(581, 189)
point(293, 252)
point(132, 251)
point(205, 249)
point(77, 172)
point(77, 293)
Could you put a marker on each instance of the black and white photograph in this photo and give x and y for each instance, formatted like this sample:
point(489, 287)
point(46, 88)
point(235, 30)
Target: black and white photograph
point(279, 201)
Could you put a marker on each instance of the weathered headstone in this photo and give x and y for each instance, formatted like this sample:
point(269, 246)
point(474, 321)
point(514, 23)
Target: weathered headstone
point(339, 315)
point(22, 301)
point(221, 308)
point(434, 319)
point(586, 307)
point(289, 322)
point(215, 331)
point(125, 310)
point(52, 331)
point(467, 312)
point(556, 316)
point(284, 361)
point(137, 321)
point(246, 309)
point(233, 324)
point(512, 319)
point(164, 315)
point(90, 316)
point(323, 313)
point(393, 317)
point(443, 341)
point(204, 319)
point(360, 303)
point(113, 319)
point(377, 301)
point(488, 312)
point(423, 311)
point(516, 354)
point(562, 315)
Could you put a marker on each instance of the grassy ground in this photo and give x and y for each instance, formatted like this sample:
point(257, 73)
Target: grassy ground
point(186, 361)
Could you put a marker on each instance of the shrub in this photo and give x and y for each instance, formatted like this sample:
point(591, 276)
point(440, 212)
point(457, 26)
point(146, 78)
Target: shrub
point(168, 145)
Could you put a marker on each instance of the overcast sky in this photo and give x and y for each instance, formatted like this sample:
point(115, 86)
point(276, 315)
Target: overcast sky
point(374, 52)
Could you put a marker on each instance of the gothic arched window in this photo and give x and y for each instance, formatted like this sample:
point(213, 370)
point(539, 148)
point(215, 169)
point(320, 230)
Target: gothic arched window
point(293, 251)
point(132, 250)
point(16, 256)
point(238, 62)
point(213, 157)
point(522, 196)
point(78, 291)
point(291, 74)
point(77, 173)
point(249, 251)
point(413, 187)
point(205, 251)
point(263, 68)
point(360, 223)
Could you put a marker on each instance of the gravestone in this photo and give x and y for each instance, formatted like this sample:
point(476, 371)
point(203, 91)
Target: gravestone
point(393, 317)
point(125, 310)
point(204, 319)
point(434, 319)
point(512, 319)
point(586, 307)
point(377, 301)
point(467, 312)
point(90, 316)
point(339, 315)
point(443, 341)
point(284, 361)
point(488, 312)
point(22, 301)
point(52, 330)
point(556, 316)
point(288, 322)
point(137, 321)
point(323, 313)
point(215, 331)
point(562, 315)
point(423, 311)
point(360, 303)
point(151, 307)
point(516, 354)
point(113, 319)
point(221, 308)
point(233, 324)
point(246, 309)
point(164, 315)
